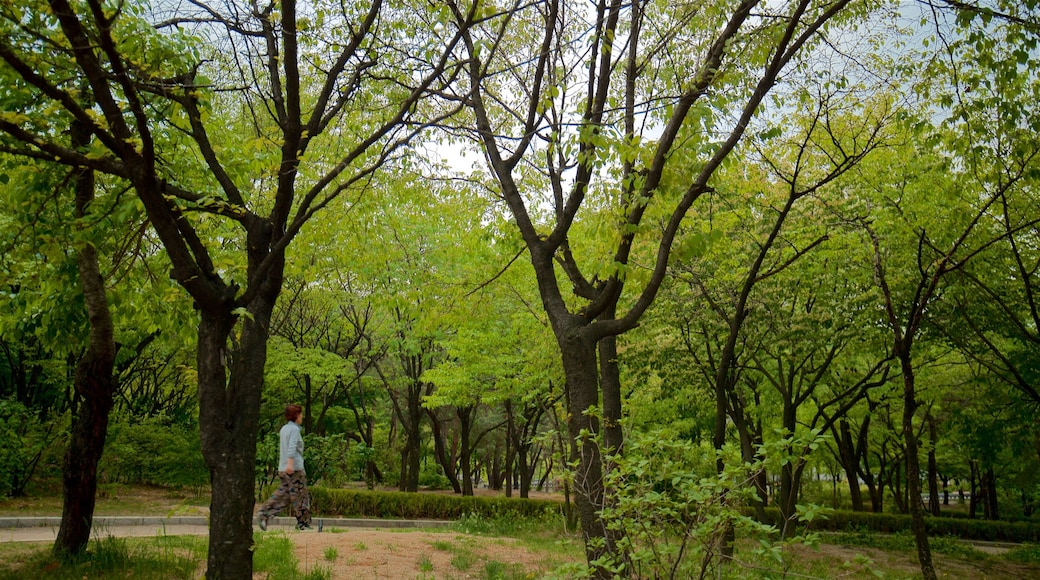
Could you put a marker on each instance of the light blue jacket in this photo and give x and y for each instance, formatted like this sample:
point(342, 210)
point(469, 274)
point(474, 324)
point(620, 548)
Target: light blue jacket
point(290, 445)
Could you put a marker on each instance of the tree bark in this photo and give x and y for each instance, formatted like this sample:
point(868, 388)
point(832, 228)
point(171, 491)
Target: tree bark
point(229, 410)
point(440, 450)
point(992, 511)
point(465, 415)
point(849, 462)
point(581, 370)
point(511, 437)
point(94, 392)
point(913, 467)
point(933, 469)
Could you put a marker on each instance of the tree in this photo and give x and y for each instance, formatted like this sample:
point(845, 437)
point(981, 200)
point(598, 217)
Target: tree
point(152, 114)
point(578, 143)
point(80, 247)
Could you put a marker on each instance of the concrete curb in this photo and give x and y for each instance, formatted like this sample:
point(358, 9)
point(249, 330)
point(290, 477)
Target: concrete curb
point(121, 521)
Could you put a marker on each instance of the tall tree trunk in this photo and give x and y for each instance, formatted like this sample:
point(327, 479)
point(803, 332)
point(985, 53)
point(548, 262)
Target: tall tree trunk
point(410, 455)
point(849, 462)
point(610, 383)
point(511, 436)
point(913, 467)
point(749, 442)
point(933, 469)
point(973, 501)
point(991, 494)
point(465, 415)
point(440, 451)
point(229, 411)
point(94, 390)
point(581, 370)
point(229, 407)
point(790, 471)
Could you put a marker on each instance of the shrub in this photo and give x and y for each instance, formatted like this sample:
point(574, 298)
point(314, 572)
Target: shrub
point(154, 454)
point(25, 441)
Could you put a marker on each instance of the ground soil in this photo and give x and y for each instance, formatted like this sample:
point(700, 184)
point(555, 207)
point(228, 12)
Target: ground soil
point(393, 555)
point(426, 555)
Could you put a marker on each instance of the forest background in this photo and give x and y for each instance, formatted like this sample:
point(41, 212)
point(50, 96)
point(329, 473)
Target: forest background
point(788, 245)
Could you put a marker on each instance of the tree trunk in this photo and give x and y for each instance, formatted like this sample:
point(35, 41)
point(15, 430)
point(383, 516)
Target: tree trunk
point(973, 501)
point(610, 383)
point(791, 470)
point(510, 438)
point(581, 370)
point(465, 415)
point(229, 410)
point(95, 387)
point(440, 451)
point(849, 462)
point(991, 494)
point(933, 470)
point(913, 468)
point(410, 455)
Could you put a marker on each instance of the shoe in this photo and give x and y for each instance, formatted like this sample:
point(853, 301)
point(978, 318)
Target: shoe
point(302, 526)
point(263, 523)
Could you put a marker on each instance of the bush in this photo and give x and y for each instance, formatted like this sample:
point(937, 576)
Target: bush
point(431, 476)
point(25, 441)
point(426, 506)
point(154, 454)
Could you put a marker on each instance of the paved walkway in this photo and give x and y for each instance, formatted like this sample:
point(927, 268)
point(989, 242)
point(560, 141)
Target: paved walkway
point(45, 529)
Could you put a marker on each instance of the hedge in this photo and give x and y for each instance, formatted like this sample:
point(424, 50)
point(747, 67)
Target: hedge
point(436, 506)
point(842, 520)
point(426, 506)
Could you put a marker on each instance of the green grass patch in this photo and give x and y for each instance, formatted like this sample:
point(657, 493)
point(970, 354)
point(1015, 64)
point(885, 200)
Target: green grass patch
point(904, 542)
point(442, 546)
point(273, 558)
point(463, 561)
point(1024, 554)
point(494, 570)
point(158, 558)
point(153, 558)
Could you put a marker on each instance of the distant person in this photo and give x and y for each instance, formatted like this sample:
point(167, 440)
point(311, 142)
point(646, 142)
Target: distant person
point(293, 488)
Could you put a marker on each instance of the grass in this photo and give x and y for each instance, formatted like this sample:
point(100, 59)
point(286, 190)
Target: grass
point(159, 557)
point(114, 499)
point(442, 546)
point(463, 561)
point(1024, 554)
point(904, 542)
point(498, 571)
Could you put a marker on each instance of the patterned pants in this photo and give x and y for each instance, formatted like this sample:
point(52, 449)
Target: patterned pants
point(291, 492)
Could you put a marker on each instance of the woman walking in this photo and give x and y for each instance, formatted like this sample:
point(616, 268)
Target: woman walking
point(292, 491)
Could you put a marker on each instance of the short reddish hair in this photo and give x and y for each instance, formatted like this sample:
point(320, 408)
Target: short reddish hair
point(292, 412)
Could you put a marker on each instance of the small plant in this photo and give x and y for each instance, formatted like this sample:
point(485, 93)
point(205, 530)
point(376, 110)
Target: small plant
point(463, 561)
point(331, 554)
point(425, 565)
point(360, 546)
point(494, 570)
point(442, 546)
point(318, 573)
